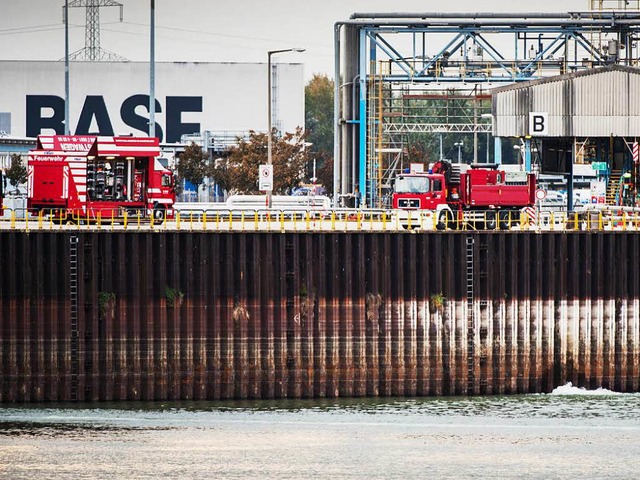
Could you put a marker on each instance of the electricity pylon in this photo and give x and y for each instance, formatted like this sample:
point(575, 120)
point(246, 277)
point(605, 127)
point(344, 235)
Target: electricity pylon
point(92, 52)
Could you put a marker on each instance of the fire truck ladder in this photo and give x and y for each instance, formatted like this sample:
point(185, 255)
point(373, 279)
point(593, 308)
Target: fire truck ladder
point(470, 318)
point(73, 291)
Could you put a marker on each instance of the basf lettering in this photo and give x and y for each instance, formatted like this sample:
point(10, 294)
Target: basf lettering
point(47, 112)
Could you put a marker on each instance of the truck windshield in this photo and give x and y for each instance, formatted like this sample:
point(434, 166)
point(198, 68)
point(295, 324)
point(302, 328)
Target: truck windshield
point(413, 185)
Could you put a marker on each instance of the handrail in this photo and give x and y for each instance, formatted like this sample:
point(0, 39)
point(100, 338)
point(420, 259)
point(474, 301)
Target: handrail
point(621, 219)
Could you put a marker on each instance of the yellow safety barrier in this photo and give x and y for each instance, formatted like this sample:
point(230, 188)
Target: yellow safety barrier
point(343, 220)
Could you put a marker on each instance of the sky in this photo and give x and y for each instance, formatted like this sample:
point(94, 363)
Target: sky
point(219, 30)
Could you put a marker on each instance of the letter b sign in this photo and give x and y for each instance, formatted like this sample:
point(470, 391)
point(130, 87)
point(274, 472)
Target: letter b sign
point(538, 123)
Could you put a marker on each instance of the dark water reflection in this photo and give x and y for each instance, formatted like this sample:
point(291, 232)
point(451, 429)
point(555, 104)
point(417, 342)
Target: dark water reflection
point(570, 434)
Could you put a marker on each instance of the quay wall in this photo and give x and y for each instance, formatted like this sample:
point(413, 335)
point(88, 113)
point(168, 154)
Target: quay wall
point(97, 316)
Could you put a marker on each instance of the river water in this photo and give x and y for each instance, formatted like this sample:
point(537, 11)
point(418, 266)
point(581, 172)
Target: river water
point(571, 433)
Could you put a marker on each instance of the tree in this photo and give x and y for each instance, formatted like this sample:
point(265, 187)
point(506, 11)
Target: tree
point(17, 172)
point(319, 127)
point(193, 165)
point(237, 172)
point(318, 121)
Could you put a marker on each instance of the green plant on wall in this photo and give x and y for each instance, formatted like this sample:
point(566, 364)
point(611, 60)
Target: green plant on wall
point(173, 296)
point(106, 302)
point(436, 302)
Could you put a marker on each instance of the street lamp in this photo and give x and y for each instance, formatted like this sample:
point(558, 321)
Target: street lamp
point(490, 117)
point(269, 132)
point(459, 145)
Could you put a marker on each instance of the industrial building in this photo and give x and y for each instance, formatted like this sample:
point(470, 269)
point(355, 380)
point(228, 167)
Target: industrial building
point(112, 98)
point(589, 117)
point(424, 74)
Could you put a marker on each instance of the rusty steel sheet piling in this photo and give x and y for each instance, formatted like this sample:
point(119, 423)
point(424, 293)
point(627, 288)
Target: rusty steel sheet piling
point(108, 316)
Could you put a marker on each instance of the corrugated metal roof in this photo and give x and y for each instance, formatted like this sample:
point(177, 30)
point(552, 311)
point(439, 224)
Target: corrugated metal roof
point(596, 102)
point(567, 76)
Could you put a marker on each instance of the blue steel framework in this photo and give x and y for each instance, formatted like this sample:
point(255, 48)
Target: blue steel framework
point(450, 48)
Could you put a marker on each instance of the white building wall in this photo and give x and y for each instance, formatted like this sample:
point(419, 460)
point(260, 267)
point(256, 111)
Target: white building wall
point(233, 96)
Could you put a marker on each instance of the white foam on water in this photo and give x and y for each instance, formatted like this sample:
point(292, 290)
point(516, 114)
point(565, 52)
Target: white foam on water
point(569, 389)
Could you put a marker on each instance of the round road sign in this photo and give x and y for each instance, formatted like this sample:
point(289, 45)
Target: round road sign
point(541, 194)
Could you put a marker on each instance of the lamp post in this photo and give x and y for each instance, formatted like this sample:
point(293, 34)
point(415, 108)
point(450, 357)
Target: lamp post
point(152, 70)
point(459, 145)
point(489, 117)
point(269, 132)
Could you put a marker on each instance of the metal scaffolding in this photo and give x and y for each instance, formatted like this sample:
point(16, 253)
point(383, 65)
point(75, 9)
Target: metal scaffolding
point(389, 67)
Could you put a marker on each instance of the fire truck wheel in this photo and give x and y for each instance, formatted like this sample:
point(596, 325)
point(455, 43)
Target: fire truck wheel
point(490, 220)
point(445, 220)
point(504, 218)
point(158, 213)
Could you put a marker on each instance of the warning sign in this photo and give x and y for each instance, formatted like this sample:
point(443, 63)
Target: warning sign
point(265, 181)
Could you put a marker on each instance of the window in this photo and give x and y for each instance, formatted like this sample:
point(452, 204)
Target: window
point(412, 184)
point(166, 180)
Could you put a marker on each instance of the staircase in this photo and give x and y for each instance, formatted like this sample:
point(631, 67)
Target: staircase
point(613, 186)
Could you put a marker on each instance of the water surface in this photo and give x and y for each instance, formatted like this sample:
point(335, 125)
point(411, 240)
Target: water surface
point(568, 434)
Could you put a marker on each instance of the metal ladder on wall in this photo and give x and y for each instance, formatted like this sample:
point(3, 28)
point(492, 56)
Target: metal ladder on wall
point(87, 273)
point(73, 292)
point(470, 319)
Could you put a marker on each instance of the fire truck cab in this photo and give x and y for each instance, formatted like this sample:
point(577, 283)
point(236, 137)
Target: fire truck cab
point(481, 194)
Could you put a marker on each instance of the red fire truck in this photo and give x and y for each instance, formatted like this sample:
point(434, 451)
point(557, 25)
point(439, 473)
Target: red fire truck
point(457, 193)
point(89, 177)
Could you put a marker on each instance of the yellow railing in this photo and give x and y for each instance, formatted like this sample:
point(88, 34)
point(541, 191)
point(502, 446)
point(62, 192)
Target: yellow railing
point(338, 220)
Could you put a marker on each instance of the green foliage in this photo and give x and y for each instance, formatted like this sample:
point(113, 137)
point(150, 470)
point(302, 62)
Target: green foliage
point(106, 301)
point(436, 301)
point(318, 121)
point(319, 128)
point(17, 172)
point(237, 172)
point(173, 296)
point(193, 165)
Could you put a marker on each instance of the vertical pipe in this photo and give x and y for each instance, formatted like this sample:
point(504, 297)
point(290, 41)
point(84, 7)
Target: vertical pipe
point(363, 120)
point(152, 71)
point(66, 67)
point(336, 115)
